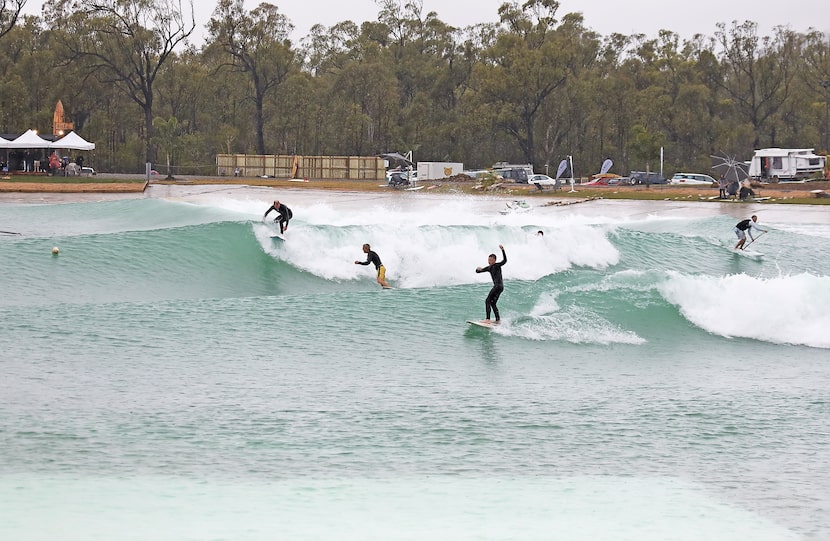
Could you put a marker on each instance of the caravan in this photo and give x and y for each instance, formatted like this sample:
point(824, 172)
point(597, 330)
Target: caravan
point(774, 164)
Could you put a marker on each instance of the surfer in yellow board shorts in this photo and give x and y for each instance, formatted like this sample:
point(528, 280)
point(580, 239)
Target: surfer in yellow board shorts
point(372, 257)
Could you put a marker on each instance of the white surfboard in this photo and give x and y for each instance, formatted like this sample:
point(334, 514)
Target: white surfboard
point(480, 323)
point(752, 254)
point(278, 238)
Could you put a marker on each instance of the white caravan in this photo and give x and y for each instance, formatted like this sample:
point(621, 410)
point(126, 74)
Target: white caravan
point(774, 164)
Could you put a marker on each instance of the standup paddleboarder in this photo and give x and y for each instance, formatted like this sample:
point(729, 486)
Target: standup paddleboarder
point(745, 227)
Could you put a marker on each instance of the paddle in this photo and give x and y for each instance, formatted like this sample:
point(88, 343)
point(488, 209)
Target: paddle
point(753, 240)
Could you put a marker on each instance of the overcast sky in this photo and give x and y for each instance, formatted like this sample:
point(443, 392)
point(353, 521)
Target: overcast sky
point(603, 16)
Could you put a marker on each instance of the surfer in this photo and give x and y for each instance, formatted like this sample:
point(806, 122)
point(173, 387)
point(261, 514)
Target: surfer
point(745, 226)
point(372, 257)
point(498, 284)
point(283, 214)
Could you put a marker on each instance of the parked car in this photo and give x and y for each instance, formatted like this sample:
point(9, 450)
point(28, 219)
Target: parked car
point(604, 180)
point(693, 179)
point(479, 174)
point(647, 177)
point(396, 177)
point(516, 174)
point(541, 180)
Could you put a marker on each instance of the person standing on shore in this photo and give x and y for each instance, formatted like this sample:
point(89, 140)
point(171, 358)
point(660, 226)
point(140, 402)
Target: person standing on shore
point(498, 283)
point(372, 257)
point(743, 227)
point(283, 214)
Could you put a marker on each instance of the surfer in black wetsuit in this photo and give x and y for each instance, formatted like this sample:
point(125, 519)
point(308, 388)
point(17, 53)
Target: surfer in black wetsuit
point(498, 284)
point(372, 257)
point(283, 214)
point(743, 227)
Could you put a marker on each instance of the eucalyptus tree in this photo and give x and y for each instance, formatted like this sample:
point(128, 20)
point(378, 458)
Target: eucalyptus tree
point(757, 74)
point(21, 105)
point(329, 51)
point(362, 96)
point(432, 65)
point(530, 59)
point(815, 76)
point(123, 43)
point(354, 75)
point(675, 105)
point(256, 43)
point(9, 13)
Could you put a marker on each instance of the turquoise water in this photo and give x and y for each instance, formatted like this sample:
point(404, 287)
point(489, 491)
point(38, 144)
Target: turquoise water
point(175, 374)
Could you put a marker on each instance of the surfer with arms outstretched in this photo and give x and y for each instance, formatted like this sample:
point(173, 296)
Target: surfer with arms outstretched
point(498, 284)
point(372, 257)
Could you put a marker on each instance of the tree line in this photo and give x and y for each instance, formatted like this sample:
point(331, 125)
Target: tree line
point(534, 87)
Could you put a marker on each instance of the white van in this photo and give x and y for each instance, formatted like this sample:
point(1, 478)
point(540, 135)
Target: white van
point(693, 179)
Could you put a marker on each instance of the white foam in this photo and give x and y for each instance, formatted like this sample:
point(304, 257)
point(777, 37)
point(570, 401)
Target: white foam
point(438, 245)
point(548, 320)
point(783, 310)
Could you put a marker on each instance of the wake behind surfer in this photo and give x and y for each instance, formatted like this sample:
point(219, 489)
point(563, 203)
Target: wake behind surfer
point(284, 214)
point(745, 227)
point(372, 257)
point(498, 283)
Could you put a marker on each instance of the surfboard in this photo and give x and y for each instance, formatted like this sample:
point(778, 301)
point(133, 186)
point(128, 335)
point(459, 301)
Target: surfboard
point(278, 238)
point(479, 323)
point(387, 287)
point(415, 189)
point(752, 254)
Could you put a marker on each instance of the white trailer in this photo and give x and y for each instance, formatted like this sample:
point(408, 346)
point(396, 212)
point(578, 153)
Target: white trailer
point(786, 164)
point(438, 170)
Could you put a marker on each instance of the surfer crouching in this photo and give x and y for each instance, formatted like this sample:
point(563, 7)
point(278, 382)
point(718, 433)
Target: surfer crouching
point(283, 215)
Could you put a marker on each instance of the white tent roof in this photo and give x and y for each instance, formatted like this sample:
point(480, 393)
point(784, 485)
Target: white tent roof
point(30, 139)
point(72, 141)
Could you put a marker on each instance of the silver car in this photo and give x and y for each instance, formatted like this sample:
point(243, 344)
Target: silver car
point(689, 179)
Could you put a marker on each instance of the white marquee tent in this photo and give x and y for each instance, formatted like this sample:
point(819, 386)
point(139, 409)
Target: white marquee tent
point(30, 139)
point(72, 141)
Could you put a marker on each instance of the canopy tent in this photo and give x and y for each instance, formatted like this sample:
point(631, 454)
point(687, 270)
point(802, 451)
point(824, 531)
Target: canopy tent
point(30, 139)
point(72, 141)
point(397, 156)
